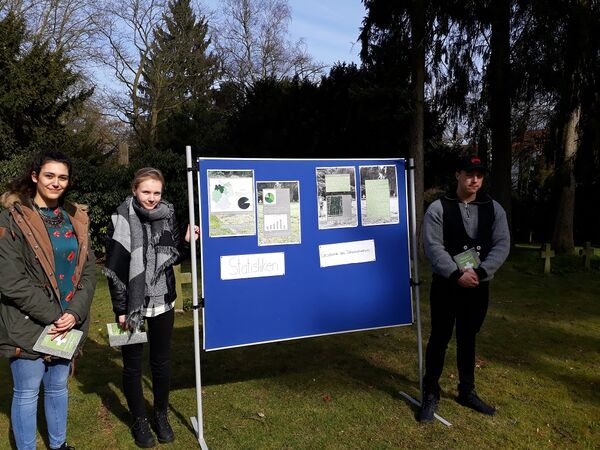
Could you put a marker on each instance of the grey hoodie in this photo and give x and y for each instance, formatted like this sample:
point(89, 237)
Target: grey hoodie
point(433, 237)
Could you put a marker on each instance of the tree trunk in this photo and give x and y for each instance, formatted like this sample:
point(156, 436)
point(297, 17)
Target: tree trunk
point(563, 238)
point(500, 108)
point(153, 131)
point(416, 149)
point(136, 118)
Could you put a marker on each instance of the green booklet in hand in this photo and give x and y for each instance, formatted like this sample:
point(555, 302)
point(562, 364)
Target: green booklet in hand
point(469, 259)
point(117, 336)
point(63, 347)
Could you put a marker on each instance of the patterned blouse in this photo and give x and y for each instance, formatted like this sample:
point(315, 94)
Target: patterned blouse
point(65, 246)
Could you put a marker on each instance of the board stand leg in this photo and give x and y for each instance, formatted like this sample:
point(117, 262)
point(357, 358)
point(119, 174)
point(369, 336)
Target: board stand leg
point(201, 440)
point(197, 422)
point(415, 286)
point(418, 404)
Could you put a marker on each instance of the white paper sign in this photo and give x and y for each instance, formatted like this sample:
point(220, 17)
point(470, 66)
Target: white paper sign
point(347, 253)
point(237, 267)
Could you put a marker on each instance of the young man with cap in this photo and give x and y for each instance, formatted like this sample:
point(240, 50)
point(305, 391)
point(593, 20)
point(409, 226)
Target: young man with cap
point(466, 240)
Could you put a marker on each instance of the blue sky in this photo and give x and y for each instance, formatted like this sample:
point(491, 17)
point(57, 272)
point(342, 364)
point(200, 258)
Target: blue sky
point(329, 27)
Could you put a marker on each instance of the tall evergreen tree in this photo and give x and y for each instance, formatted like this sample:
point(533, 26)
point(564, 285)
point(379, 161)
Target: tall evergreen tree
point(179, 72)
point(396, 37)
point(499, 104)
point(580, 49)
point(557, 58)
point(37, 90)
point(468, 78)
point(346, 115)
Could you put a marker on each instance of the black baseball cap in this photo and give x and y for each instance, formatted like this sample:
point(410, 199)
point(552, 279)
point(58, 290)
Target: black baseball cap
point(470, 163)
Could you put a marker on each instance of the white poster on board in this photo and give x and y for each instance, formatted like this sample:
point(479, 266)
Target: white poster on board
point(278, 211)
point(231, 203)
point(379, 195)
point(336, 197)
point(237, 267)
point(347, 253)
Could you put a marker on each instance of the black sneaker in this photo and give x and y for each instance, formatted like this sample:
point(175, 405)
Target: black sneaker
point(142, 434)
point(163, 429)
point(471, 400)
point(65, 447)
point(428, 407)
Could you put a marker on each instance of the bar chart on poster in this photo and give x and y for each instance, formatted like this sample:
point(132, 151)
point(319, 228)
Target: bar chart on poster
point(301, 248)
point(276, 222)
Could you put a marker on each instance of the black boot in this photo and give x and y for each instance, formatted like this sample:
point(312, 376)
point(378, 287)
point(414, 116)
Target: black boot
point(471, 400)
point(164, 432)
point(142, 434)
point(428, 406)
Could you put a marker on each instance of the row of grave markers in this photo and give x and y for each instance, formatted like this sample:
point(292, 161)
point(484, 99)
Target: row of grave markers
point(547, 254)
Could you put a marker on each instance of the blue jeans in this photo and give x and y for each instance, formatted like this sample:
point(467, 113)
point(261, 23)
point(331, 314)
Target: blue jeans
point(27, 377)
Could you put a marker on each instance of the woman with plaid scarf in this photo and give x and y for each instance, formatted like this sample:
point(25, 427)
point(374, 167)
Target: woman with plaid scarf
point(143, 245)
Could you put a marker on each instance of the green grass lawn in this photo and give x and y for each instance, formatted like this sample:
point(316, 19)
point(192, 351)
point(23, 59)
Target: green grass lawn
point(538, 362)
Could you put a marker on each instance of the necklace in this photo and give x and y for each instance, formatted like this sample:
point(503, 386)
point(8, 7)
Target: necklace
point(55, 220)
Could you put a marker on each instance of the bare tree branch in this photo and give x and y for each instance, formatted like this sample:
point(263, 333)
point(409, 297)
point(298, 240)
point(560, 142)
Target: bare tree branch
point(251, 39)
point(127, 35)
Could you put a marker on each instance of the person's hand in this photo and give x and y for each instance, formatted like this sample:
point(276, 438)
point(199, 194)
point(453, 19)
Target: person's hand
point(196, 233)
point(63, 325)
point(123, 322)
point(468, 279)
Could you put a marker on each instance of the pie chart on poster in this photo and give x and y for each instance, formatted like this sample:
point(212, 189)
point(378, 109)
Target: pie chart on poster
point(243, 203)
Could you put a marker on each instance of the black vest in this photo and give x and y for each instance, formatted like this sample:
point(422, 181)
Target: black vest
point(456, 239)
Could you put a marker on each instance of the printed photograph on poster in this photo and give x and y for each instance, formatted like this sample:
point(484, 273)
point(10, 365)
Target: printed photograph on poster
point(336, 197)
point(378, 195)
point(231, 203)
point(278, 210)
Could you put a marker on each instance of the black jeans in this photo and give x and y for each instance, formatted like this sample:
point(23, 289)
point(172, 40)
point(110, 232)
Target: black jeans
point(160, 329)
point(450, 304)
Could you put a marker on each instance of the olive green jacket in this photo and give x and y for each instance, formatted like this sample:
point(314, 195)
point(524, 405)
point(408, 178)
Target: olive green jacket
point(29, 296)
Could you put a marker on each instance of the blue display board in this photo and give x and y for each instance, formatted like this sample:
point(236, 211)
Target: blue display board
point(310, 297)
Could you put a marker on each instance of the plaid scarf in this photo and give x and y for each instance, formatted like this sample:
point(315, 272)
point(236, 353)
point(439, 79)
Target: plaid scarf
point(125, 264)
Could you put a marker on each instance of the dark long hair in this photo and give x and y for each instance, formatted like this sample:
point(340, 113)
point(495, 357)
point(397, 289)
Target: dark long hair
point(25, 186)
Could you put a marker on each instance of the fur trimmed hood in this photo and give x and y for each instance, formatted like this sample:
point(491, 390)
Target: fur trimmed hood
point(8, 199)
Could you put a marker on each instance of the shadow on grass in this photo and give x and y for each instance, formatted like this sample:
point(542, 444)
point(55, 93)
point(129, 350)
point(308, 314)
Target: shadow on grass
point(540, 325)
point(102, 376)
point(276, 359)
point(98, 375)
point(547, 326)
point(366, 360)
point(541, 348)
